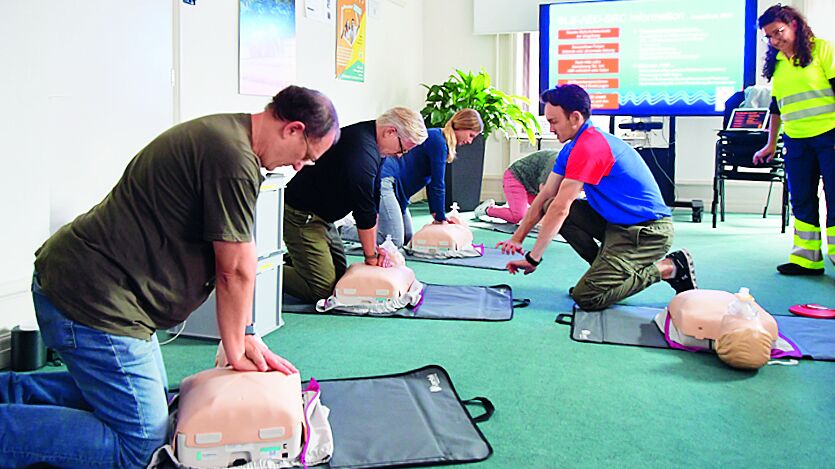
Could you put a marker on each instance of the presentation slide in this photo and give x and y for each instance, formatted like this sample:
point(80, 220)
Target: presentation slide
point(650, 57)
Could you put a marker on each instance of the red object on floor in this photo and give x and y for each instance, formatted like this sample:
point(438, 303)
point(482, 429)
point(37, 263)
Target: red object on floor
point(813, 311)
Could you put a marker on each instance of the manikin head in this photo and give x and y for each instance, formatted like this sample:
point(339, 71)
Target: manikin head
point(745, 346)
point(744, 340)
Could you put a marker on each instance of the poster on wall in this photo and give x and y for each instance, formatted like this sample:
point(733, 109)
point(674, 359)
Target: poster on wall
point(266, 46)
point(350, 40)
point(319, 10)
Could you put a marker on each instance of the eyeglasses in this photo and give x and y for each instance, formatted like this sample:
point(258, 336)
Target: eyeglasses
point(402, 150)
point(308, 159)
point(777, 35)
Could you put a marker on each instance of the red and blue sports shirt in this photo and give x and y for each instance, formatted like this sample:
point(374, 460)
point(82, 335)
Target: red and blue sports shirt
point(617, 181)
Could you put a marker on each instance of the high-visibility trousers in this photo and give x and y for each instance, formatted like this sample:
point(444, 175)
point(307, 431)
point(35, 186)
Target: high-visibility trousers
point(807, 161)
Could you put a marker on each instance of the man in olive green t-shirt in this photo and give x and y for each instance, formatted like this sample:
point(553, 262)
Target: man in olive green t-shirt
point(177, 225)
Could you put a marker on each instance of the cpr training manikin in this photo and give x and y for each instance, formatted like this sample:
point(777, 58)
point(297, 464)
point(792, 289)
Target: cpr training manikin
point(742, 333)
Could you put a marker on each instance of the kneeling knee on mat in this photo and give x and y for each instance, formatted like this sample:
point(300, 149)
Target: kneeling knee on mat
point(589, 299)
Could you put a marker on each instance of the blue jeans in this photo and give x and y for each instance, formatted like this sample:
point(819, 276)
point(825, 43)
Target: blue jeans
point(807, 160)
point(109, 410)
point(392, 219)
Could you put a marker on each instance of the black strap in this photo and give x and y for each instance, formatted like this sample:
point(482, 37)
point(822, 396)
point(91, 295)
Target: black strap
point(521, 302)
point(566, 319)
point(486, 404)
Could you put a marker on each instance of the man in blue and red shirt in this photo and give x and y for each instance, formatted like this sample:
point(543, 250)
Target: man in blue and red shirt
point(623, 211)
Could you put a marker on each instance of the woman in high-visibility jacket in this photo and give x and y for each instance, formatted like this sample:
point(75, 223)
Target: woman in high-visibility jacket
point(802, 70)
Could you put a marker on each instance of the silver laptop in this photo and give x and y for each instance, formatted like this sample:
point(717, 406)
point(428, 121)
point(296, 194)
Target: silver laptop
point(749, 119)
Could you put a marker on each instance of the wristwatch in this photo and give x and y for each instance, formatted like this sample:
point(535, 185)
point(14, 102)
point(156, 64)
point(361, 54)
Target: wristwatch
point(250, 329)
point(531, 261)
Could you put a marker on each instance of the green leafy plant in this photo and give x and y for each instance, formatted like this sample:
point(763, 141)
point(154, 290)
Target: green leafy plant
point(499, 110)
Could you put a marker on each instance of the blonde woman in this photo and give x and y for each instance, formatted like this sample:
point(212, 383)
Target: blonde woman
point(424, 166)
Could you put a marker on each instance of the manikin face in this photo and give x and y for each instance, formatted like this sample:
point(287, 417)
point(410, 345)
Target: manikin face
point(781, 36)
point(465, 137)
point(565, 126)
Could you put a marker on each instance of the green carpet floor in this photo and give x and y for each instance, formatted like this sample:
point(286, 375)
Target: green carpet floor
point(561, 403)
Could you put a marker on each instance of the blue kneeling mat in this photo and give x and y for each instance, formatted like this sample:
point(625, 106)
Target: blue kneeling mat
point(635, 325)
point(467, 303)
point(407, 419)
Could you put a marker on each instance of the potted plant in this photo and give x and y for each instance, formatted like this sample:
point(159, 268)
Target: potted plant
point(499, 111)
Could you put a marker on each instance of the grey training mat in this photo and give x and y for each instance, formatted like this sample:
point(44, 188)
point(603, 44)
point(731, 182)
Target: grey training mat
point(493, 259)
point(635, 325)
point(619, 324)
point(408, 419)
point(453, 302)
point(510, 228)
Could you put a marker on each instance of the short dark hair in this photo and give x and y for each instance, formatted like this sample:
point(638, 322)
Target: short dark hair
point(570, 98)
point(310, 107)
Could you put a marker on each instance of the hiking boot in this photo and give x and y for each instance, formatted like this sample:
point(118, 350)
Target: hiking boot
point(685, 277)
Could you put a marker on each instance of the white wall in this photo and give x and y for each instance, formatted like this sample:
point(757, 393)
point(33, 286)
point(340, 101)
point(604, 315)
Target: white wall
point(209, 61)
point(84, 86)
point(88, 84)
point(449, 43)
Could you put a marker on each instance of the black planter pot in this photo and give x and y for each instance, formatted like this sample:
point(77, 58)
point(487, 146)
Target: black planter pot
point(463, 176)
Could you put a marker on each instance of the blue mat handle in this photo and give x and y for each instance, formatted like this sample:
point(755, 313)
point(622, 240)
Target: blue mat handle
point(521, 302)
point(566, 319)
point(486, 404)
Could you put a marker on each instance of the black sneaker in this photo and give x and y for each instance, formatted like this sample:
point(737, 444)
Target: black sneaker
point(794, 269)
point(685, 278)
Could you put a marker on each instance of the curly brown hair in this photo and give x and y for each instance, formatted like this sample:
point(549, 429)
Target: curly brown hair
point(804, 37)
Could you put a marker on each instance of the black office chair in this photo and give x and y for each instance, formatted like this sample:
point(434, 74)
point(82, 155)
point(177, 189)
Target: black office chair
point(734, 153)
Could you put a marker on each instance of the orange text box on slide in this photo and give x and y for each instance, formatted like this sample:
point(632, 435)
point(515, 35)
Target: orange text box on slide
point(591, 83)
point(590, 33)
point(604, 100)
point(599, 48)
point(584, 66)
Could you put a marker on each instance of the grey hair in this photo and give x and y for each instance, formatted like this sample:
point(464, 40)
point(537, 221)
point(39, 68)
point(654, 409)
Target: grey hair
point(408, 123)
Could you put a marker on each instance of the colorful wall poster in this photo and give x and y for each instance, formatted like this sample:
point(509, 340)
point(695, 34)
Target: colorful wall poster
point(319, 10)
point(350, 40)
point(266, 46)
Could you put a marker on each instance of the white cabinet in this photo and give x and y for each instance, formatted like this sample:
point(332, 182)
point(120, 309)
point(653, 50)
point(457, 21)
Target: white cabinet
point(266, 305)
